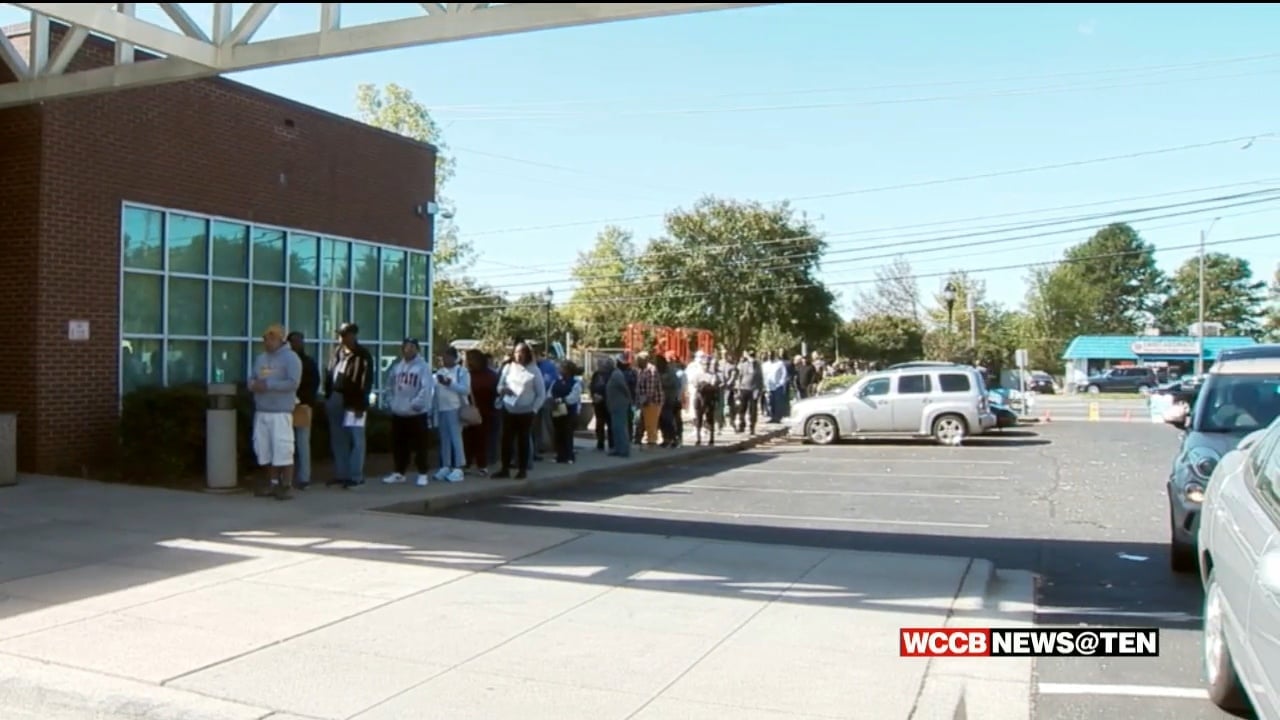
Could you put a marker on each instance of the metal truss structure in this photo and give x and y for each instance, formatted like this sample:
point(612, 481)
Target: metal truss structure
point(226, 44)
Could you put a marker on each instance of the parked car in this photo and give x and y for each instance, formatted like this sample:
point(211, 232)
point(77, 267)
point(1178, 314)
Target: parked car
point(1239, 540)
point(1121, 379)
point(943, 401)
point(1041, 382)
point(1240, 395)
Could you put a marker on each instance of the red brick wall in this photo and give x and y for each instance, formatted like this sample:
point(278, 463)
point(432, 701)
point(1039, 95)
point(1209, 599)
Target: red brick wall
point(210, 146)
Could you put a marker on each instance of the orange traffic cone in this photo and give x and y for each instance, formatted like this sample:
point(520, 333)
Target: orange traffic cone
point(1128, 415)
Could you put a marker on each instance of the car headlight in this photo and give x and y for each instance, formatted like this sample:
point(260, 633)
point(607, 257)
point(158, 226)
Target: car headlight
point(1193, 492)
point(1202, 461)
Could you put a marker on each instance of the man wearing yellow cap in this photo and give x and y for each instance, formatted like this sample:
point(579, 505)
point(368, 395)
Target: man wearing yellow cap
point(274, 383)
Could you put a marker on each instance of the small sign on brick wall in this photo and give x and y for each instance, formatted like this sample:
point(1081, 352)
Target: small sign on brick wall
point(78, 330)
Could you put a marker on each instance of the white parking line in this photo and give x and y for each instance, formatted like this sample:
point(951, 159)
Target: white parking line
point(541, 504)
point(760, 471)
point(851, 493)
point(923, 461)
point(1151, 691)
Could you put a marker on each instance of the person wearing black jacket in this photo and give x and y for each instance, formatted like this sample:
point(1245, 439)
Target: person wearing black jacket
point(599, 389)
point(308, 389)
point(348, 380)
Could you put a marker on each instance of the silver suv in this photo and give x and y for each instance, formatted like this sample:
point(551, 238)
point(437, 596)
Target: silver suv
point(946, 402)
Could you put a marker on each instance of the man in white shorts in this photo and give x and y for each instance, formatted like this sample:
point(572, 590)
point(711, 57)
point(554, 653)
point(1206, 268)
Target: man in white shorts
point(274, 382)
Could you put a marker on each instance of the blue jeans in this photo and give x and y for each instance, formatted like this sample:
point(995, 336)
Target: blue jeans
point(620, 428)
point(302, 455)
point(347, 443)
point(450, 429)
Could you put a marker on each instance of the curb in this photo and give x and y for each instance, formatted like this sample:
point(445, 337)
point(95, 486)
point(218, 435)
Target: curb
point(942, 693)
point(484, 491)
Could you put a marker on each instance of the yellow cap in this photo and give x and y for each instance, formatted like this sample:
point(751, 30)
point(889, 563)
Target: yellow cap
point(276, 331)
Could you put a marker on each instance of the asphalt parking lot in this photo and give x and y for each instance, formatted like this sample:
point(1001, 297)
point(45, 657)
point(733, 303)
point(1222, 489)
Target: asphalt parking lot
point(1080, 503)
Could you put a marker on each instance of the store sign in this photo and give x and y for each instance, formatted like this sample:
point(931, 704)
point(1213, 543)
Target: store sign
point(1156, 347)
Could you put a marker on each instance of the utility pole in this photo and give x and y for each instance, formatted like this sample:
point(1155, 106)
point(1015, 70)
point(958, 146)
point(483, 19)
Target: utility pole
point(1200, 330)
point(971, 306)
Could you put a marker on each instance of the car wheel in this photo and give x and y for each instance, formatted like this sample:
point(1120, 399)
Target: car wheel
point(1094, 389)
point(949, 429)
point(821, 430)
point(1225, 689)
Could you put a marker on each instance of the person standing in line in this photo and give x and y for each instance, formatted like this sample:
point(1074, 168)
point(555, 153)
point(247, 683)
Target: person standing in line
point(412, 392)
point(348, 381)
point(706, 383)
point(649, 398)
point(303, 413)
point(670, 409)
point(750, 386)
point(276, 375)
point(775, 385)
point(453, 386)
point(476, 442)
point(620, 401)
point(566, 402)
point(599, 408)
point(522, 394)
point(804, 378)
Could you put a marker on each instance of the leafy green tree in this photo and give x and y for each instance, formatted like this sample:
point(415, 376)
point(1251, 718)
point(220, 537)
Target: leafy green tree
point(985, 336)
point(603, 273)
point(1059, 307)
point(884, 339)
point(1125, 285)
point(1232, 296)
point(895, 292)
point(775, 337)
point(1272, 320)
point(394, 108)
point(749, 264)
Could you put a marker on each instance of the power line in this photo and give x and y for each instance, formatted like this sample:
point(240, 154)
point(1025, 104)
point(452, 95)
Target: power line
point(868, 88)
point(1009, 227)
point(949, 273)
point(792, 261)
point(1024, 92)
point(1239, 140)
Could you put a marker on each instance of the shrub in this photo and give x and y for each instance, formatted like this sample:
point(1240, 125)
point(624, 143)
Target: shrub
point(837, 383)
point(162, 434)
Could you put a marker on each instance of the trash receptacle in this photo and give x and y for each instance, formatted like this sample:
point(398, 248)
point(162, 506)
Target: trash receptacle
point(221, 459)
point(8, 448)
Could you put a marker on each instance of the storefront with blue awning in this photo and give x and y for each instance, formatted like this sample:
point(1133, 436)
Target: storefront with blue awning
point(1089, 355)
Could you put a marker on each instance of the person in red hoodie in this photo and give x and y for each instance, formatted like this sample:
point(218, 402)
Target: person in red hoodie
point(484, 393)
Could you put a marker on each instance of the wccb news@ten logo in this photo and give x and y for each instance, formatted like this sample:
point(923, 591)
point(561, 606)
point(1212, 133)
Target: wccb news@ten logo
point(1028, 642)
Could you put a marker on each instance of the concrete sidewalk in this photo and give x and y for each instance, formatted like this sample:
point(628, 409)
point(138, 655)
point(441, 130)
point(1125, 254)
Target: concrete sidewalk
point(124, 602)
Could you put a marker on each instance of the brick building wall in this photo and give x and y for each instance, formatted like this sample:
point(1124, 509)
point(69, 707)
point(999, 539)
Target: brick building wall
point(209, 146)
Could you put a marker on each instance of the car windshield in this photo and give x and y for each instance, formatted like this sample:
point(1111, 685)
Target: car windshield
point(1238, 404)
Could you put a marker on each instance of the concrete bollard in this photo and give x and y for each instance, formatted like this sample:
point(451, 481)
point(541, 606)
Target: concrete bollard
point(221, 459)
point(8, 449)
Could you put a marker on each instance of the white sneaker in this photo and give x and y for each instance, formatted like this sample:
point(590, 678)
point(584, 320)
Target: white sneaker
point(422, 480)
point(441, 474)
point(455, 475)
point(393, 479)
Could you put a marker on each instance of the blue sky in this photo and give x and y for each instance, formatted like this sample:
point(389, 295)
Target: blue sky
point(573, 127)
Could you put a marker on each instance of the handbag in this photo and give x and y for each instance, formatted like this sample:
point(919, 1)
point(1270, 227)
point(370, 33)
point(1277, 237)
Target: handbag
point(469, 414)
point(302, 416)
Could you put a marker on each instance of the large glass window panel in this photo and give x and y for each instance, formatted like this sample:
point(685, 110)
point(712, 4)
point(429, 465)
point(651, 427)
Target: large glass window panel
point(335, 263)
point(188, 307)
point(364, 312)
point(141, 363)
point(418, 319)
point(230, 249)
point(188, 244)
point(393, 310)
point(388, 354)
point(268, 255)
point(364, 267)
point(143, 304)
point(394, 271)
point(230, 361)
point(304, 259)
point(333, 311)
point(230, 309)
point(304, 316)
point(187, 362)
point(268, 308)
point(143, 239)
point(418, 274)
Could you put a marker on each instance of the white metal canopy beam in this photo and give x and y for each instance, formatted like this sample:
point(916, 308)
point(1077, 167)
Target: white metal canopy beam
point(192, 51)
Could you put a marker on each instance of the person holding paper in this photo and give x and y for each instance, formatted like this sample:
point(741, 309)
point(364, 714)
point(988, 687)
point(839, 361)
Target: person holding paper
point(453, 385)
point(347, 384)
point(276, 374)
point(521, 395)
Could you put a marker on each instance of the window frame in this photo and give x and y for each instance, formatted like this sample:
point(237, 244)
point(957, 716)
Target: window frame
point(164, 338)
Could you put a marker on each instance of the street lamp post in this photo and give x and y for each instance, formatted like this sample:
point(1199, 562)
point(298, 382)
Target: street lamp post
point(949, 295)
point(550, 295)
